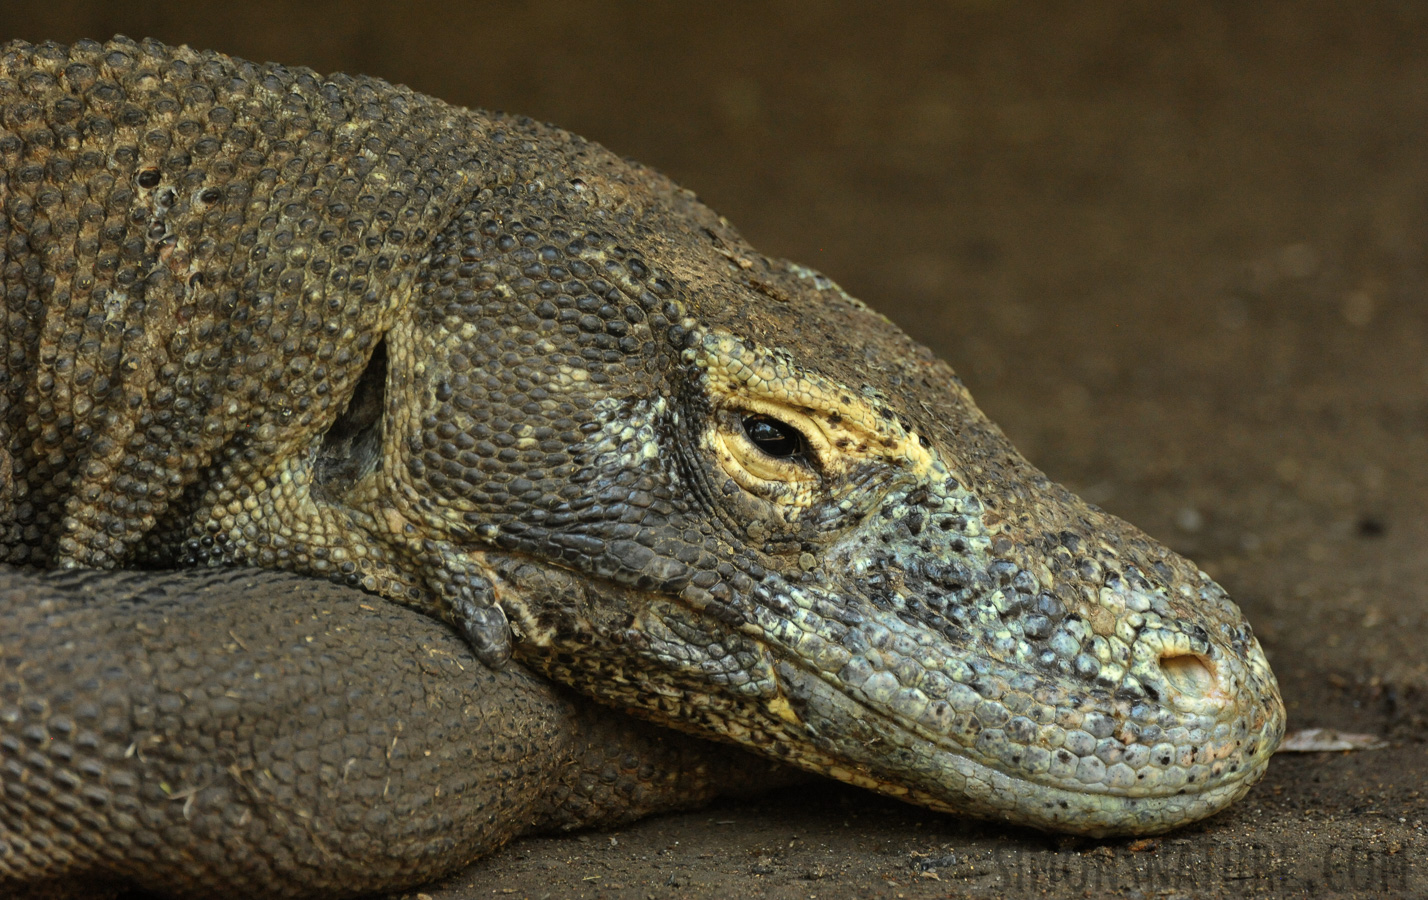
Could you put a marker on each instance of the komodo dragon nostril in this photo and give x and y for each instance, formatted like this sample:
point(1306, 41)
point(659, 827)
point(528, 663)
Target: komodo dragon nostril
point(1189, 673)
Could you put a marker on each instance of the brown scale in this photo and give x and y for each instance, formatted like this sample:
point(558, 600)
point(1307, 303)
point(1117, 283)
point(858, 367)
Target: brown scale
point(215, 270)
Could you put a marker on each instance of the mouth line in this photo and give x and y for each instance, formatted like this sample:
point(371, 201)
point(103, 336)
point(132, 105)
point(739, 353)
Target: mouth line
point(1204, 775)
point(1052, 807)
point(964, 757)
point(991, 792)
point(1249, 767)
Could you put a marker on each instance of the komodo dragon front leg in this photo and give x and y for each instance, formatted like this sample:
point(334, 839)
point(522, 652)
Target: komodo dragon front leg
point(486, 369)
point(181, 737)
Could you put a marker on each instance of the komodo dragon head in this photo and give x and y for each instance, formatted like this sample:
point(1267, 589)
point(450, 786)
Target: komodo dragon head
point(712, 488)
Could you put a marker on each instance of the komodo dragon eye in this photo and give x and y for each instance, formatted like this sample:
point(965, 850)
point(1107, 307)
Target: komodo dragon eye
point(778, 439)
point(770, 450)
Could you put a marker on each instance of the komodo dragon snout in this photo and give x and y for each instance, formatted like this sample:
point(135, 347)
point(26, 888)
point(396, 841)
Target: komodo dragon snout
point(712, 488)
point(492, 371)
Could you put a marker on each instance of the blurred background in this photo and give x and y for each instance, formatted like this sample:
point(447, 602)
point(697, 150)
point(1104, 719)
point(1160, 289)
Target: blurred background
point(1177, 250)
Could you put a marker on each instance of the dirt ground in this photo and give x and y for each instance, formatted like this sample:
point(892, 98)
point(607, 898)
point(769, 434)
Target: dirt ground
point(1177, 250)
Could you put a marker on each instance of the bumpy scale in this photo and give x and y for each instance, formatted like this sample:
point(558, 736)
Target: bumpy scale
point(319, 743)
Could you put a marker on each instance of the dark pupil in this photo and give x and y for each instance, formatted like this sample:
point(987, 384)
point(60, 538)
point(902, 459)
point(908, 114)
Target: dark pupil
point(778, 439)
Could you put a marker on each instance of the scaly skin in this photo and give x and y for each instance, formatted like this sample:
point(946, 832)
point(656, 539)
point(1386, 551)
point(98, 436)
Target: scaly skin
point(183, 738)
point(488, 370)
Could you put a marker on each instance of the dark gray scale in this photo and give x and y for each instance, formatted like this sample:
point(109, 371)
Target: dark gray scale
point(213, 294)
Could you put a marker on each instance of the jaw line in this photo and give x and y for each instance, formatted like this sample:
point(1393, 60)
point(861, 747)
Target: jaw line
point(1025, 801)
point(1020, 799)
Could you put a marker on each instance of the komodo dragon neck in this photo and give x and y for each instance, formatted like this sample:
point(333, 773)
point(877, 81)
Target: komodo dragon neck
point(491, 371)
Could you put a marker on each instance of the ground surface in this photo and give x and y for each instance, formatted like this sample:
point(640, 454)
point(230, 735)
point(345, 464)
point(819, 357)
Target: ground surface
point(1176, 250)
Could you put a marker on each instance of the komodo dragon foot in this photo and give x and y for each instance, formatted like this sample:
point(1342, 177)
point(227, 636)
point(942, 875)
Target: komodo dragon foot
point(179, 736)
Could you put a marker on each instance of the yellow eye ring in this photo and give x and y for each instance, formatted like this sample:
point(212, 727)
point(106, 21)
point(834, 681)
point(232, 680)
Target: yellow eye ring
point(767, 448)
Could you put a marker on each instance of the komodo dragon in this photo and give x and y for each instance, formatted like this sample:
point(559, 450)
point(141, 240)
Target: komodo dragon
point(488, 370)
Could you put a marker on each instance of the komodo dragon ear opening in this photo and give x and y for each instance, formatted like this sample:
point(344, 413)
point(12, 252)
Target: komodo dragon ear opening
point(351, 448)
